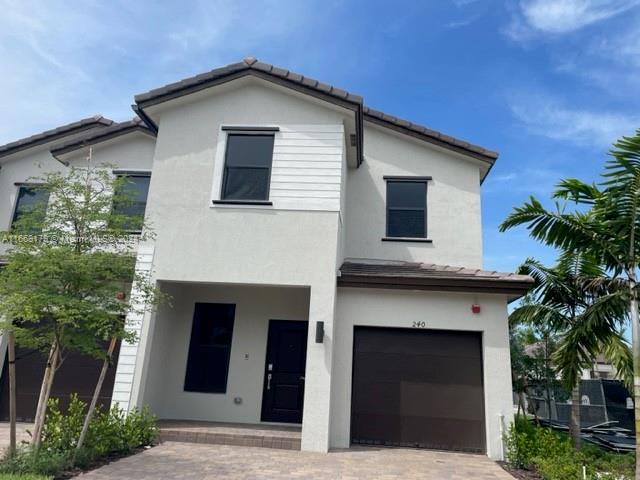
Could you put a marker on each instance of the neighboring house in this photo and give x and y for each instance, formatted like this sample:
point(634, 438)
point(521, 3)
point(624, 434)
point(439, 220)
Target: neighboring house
point(324, 261)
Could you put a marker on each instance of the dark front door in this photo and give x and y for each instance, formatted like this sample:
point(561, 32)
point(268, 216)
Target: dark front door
point(284, 371)
point(418, 388)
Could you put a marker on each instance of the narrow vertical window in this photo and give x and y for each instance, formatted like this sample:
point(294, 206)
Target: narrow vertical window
point(210, 348)
point(31, 205)
point(406, 208)
point(130, 200)
point(247, 169)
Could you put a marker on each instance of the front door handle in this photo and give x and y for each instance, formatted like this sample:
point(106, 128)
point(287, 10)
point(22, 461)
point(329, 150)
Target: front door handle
point(301, 378)
point(268, 381)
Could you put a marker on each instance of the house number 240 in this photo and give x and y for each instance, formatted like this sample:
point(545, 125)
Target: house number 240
point(419, 324)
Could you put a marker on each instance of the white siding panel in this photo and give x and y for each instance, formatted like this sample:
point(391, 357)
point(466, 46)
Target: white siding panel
point(307, 167)
point(316, 170)
point(304, 179)
point(282, 148)
point(305, 194)
point(129, 350)
point(325, 187)
point(338, 128)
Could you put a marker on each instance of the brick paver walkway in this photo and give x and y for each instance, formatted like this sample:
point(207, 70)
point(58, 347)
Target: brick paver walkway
point(188, 461)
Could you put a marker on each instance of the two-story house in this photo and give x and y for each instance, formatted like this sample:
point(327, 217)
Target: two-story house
point(324, 263)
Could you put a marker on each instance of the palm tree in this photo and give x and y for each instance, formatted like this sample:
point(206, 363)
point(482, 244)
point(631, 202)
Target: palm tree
point(587, 318)
point(605, 223)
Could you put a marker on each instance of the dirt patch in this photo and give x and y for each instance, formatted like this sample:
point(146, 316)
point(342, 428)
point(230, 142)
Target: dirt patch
point(519, 473)
point(97, 463)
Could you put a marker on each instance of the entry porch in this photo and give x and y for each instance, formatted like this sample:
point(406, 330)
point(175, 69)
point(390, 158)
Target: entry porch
point(228, 363)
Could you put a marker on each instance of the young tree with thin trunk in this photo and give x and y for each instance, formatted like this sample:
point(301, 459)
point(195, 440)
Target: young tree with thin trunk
point(67, 266)
point(605, 223)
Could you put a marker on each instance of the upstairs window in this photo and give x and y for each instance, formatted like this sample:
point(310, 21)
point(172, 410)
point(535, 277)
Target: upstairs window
point(406, 207)
point(130, 199)
point(247, 169)
point(31, 200)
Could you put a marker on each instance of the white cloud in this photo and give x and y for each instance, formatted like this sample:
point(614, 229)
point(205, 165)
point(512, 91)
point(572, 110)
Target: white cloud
point(546, 116)
point(533, 17)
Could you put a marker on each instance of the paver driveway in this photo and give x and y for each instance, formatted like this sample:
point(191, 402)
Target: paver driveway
point(195, 461)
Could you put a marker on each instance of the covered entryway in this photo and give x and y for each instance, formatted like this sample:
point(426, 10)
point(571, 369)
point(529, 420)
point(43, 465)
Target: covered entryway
point(418, 388)
point(78, 374)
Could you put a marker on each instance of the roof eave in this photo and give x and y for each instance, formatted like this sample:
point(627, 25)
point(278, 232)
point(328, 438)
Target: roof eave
point(512, 288)
point(44, 138)
point(102, 136)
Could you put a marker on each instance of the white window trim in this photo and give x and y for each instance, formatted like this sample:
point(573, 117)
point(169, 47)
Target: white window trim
point(219, 162)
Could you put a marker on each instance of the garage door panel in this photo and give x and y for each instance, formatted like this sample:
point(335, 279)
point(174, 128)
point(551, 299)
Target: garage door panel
point(387, 395)
point(419, 388)
point(446, 343)
point(441, 401)
point(384, 368)
point(78, 374)
point(377, 427)
point(440, 433)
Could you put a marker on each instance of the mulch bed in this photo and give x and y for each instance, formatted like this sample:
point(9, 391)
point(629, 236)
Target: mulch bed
point(520, 474)
point(97, 463)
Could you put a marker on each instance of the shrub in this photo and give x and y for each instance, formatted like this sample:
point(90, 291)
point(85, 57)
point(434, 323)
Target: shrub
point(525, 443)
point(550, 453)
point(110, 432)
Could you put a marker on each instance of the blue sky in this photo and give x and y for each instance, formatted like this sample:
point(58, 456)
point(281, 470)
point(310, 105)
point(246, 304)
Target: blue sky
point(548, 83)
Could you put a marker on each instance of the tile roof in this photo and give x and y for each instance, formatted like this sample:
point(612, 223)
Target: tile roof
point(248, 65)
point(54, 134)
point(430, 135)
point(101, 135)
point(251, 66)
point(398, 274)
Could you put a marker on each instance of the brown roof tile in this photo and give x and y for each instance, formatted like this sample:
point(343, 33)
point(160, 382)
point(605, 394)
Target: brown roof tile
point(54, 134)
point(252, 66)
point(409, 275)
point(101, 135)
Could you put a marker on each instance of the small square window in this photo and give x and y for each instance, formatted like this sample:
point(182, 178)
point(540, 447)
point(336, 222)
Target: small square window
point(31, 203)
point(247, 170)
point(407, 208)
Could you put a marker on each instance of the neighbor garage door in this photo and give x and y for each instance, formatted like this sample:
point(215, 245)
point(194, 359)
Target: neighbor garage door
point(418, 388)
point(78, 374)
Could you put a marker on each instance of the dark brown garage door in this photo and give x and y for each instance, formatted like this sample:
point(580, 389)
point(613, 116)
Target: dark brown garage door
point(78, 374)
point(418, 388)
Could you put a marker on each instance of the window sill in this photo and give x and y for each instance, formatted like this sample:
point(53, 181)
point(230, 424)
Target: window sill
point(407, 239)
point(242, 202)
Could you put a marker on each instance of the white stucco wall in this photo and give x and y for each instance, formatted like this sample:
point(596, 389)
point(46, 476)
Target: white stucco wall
point(255, 306)
point(453, 201)
point(199, 242)
point(448, 311)
point(133, 151)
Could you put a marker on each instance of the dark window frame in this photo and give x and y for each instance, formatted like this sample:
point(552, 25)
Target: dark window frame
point(16, 203)
point(192, 352)
point(399, 180)
point(246, 132)
point(134, 174)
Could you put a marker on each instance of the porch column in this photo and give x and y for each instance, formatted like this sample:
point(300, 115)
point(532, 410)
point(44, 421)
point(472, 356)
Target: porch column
point(317, 396)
